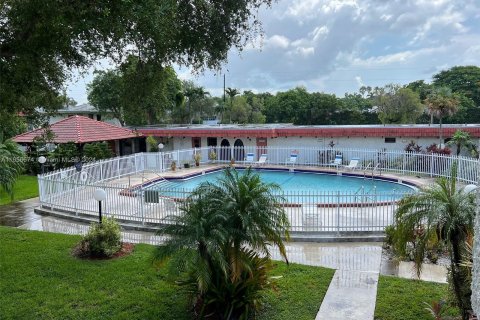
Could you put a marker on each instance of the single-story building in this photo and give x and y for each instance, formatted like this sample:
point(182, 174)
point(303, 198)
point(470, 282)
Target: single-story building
point(391, 137)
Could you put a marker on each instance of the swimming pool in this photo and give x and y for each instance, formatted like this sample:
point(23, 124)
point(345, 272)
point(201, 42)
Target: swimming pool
point(300, 183)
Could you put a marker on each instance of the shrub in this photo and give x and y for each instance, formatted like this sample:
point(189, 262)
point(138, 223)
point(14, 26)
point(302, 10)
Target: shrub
point(389, 234)
point(102, 240)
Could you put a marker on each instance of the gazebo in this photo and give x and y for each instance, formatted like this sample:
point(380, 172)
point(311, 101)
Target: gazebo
point(81, 130)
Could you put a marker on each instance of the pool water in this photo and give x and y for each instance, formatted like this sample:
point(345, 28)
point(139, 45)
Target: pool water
point(300, 182)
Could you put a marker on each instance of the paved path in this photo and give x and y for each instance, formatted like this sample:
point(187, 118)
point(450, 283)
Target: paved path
point(353, 290)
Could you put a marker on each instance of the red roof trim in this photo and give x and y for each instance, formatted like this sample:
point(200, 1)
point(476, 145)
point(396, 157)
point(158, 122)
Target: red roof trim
point(310, 132)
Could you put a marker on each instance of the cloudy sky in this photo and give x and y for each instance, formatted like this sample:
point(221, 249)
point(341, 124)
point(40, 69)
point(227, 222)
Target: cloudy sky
point(336, 46)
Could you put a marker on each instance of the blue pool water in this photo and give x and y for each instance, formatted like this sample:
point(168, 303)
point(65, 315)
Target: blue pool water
point(299, 182)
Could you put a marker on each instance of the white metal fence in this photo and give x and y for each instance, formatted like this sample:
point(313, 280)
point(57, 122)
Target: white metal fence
point(71, 191)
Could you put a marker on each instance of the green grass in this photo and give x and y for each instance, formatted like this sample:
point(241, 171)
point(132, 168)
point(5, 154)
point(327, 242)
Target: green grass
point(25, 188)
point(39, 279)
point(403, 299)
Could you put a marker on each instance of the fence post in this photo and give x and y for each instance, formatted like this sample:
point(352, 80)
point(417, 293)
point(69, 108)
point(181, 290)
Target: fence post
point(431, 165)
point(338, 212)
point(142, 205)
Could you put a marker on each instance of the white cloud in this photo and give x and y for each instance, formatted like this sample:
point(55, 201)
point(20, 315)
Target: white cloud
point(277, 41)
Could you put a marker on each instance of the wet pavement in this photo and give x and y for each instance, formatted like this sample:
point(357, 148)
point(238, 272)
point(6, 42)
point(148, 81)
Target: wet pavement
point(19, 213)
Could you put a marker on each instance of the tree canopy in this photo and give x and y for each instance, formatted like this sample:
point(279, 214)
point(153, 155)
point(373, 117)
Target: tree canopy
point(41, 42)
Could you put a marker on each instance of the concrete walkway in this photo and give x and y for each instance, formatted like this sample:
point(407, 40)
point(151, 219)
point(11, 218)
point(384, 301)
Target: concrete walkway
point(353, 290)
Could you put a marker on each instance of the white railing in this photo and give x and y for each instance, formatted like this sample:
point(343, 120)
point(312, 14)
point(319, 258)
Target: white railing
point(70, 191)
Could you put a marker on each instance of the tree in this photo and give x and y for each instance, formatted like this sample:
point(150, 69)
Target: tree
point(225, 227)
point(41, 44)
point(440, 211)
point(284, 106)
point(441, 103)
point(193, 94)
point(321, 109)
point(396, 104)
point(137, 93)
point(11, 165)
point(462, 139)
point(461, 79)
point(231, 92)
point(106, 93)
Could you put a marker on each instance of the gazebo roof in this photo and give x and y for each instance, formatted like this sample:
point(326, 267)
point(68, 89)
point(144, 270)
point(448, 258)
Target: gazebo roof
point(80, 129)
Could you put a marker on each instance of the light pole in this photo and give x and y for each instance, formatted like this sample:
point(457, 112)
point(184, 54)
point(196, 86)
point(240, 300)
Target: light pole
point(100, 195)
point(160, 148)
point(42, 161)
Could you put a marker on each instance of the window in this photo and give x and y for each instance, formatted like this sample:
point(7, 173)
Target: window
point(390, 140)
point(211, 142)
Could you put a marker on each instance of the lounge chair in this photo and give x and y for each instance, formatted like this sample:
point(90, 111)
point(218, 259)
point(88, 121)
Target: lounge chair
point(353, 164)
point(337, 162)
point(250, 158)
point(262, 160)
point(293, 159)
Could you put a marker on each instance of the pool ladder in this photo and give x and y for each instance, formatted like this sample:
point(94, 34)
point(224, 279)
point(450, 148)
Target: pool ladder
point(370, 165)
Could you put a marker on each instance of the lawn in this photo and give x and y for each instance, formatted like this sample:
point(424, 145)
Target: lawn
point(39, 279)
point(403, 299)
point(25, 188)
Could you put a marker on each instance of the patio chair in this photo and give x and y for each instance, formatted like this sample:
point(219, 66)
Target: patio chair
point(353, 164)
point(262, 160)
point(250, 158)
point(293, 159)
point(337, 162)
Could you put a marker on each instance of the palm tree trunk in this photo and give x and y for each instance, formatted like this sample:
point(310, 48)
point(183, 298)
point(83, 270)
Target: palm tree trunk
point(441, 134)
point(458, 280)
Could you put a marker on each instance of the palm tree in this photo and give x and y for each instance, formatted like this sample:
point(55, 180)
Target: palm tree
point(10, 165)
point(256, 217)
point(442, 211)
point(231, 92)
point(462, 139)
point(441, 103)
point(224, 228)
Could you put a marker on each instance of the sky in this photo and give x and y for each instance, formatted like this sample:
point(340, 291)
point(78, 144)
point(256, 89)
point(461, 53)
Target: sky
point(337, 46)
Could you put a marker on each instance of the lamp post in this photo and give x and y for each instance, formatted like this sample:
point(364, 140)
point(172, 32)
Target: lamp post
point(100, 195)
point(160, 148)
point(42, 161)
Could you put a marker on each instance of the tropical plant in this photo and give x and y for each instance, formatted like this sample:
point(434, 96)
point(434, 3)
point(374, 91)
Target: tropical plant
point(102, 240)
point(441, 103)
point(231, 92)
point(437, 309)
point(444, 211)
point(11, 165)
point(152, 144)
point(223, 237)
point(462, 139)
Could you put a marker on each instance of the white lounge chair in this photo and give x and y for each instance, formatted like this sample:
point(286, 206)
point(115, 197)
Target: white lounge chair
point(293, 159)
point(337, 162)
point(262, 160)
point(250, 158)
point(353, 164)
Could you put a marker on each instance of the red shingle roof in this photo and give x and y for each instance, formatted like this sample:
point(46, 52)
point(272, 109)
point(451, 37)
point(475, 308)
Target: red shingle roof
point(80, 129)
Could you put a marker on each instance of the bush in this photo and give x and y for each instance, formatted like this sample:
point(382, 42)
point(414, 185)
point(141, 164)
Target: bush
point(102, 240)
